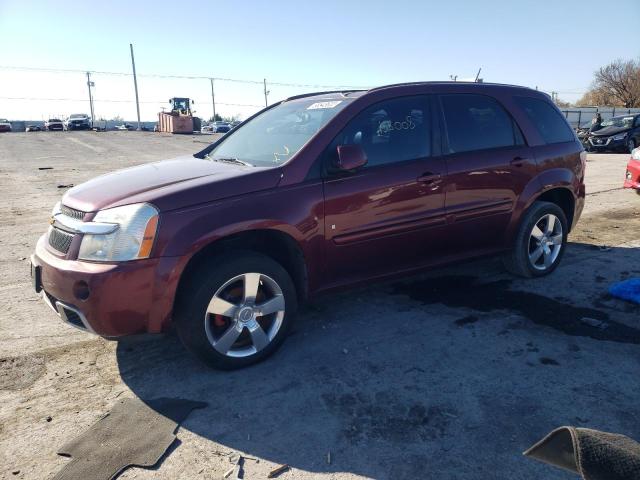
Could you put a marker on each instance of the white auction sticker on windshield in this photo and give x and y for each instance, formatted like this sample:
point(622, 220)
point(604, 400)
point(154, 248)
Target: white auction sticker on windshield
point(318, 105)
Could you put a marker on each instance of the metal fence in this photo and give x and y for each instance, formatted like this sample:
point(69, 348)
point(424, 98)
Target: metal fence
point(582, 116)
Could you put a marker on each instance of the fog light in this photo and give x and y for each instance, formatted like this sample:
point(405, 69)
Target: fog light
point(81, 290)
point(628, 175)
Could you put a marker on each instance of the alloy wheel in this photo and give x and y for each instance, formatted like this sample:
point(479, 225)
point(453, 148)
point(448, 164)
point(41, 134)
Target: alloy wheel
point(545, 242)
point(244, 315)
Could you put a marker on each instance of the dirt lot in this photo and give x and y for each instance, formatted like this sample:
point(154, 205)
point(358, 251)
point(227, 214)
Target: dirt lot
point(448, 375)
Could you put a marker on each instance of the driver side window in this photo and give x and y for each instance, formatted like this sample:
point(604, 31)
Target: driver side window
point(391, 131)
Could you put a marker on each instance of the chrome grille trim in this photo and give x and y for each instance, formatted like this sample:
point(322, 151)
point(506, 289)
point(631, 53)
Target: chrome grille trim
point(71, 212)
point(59, 240)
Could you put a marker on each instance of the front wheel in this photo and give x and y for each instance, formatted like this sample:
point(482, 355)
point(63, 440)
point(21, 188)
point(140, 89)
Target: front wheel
point(236, 310)
point(540, 241)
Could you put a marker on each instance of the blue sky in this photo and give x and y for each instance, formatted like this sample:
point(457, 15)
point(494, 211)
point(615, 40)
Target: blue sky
point(553, 45)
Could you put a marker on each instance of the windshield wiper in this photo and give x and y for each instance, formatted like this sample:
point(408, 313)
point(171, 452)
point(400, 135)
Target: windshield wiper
point(229, 160)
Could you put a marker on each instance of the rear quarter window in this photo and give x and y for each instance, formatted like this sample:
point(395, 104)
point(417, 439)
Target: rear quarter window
point(477, 122)
point(551, 126)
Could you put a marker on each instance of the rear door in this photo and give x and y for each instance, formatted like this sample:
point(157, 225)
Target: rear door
point(488, 167)
point(388, 215)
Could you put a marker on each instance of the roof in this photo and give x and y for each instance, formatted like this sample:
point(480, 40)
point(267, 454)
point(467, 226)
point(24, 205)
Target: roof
point(340, 94)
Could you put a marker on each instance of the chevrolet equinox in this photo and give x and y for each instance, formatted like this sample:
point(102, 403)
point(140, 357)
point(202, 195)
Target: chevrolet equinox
point(312, 194)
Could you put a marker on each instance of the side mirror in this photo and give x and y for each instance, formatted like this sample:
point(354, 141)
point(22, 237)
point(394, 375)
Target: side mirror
point(350, 157)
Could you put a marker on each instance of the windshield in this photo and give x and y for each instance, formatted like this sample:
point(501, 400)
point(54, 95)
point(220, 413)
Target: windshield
point(622, 122)
point(274, 136)
point(55, 120)
point(77, 115)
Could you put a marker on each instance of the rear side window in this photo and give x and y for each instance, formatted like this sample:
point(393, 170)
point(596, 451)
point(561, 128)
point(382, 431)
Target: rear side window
point(477, 122)
point(390, 131)
point(551, 126)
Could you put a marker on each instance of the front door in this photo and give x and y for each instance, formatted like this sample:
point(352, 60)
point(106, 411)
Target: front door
point(389, 215)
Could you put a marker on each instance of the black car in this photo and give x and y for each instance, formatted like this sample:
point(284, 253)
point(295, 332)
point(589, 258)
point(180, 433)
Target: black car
point(617, 133)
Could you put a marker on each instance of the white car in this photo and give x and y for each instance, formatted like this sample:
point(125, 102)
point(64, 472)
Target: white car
point(5, 126)
point(54, 124)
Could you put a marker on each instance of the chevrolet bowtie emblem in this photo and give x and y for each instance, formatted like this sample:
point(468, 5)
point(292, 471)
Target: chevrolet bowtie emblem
point(52, 220)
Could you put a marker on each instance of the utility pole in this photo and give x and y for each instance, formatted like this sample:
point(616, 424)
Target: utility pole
point(135, 84)
point(213, 100)
point(266, 92)
point(89, 85)
point(478, 75)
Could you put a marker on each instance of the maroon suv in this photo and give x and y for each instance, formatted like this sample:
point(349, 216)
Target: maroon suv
point(314, 193)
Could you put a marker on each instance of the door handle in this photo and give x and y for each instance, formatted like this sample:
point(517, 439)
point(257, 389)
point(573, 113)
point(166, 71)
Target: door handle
point(518, 161)
point(429, 177)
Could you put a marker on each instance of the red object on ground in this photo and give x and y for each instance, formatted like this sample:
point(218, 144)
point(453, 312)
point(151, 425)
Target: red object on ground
point(632, 177)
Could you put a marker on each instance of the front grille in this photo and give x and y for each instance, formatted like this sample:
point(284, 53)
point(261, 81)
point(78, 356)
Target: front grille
point(60, 240)
point(71, 212)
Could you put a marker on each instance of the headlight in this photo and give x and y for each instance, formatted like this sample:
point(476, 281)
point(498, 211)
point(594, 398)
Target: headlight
point(133, 239)
point(620, 136)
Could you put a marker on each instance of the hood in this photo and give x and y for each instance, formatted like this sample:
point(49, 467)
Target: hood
point(608, 131)
point(170, 184)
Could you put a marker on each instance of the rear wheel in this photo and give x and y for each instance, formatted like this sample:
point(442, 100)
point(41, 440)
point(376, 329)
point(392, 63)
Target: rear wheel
point(540, 241)
point(236, 310)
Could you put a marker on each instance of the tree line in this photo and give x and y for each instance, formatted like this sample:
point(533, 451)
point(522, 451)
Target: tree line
point(616, 85)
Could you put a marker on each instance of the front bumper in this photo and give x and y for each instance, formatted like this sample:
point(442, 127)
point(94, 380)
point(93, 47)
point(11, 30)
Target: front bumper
point(606, 143)
point(111, 300)
point(78, 126)
point(632, 176)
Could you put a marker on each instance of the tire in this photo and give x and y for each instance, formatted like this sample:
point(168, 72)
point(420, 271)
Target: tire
point(541, 245)
point(241, 337)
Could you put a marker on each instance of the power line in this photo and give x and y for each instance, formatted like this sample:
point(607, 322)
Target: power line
point(105, 100)
point(181, 77)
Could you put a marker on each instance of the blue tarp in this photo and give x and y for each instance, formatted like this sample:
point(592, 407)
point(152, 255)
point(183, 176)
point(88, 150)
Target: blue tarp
point(627, 290)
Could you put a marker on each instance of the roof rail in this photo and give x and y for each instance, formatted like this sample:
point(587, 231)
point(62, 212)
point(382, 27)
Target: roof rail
point(447, 82)
point(313, 94)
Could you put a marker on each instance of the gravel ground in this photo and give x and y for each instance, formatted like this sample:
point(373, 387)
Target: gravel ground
point(447, 375)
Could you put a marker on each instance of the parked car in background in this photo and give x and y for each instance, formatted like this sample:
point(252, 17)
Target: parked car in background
point(235, 124)
point(33, 128)
point(632, 176)
point(314, 193)
point(125, 126)
point(220, 127)
point(54, 124)
point(620, 133)
point(5, 125)
point(78, 121)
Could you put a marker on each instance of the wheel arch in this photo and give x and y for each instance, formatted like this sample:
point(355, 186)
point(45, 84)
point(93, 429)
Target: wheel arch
point(562, 197)
point(276, 244)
